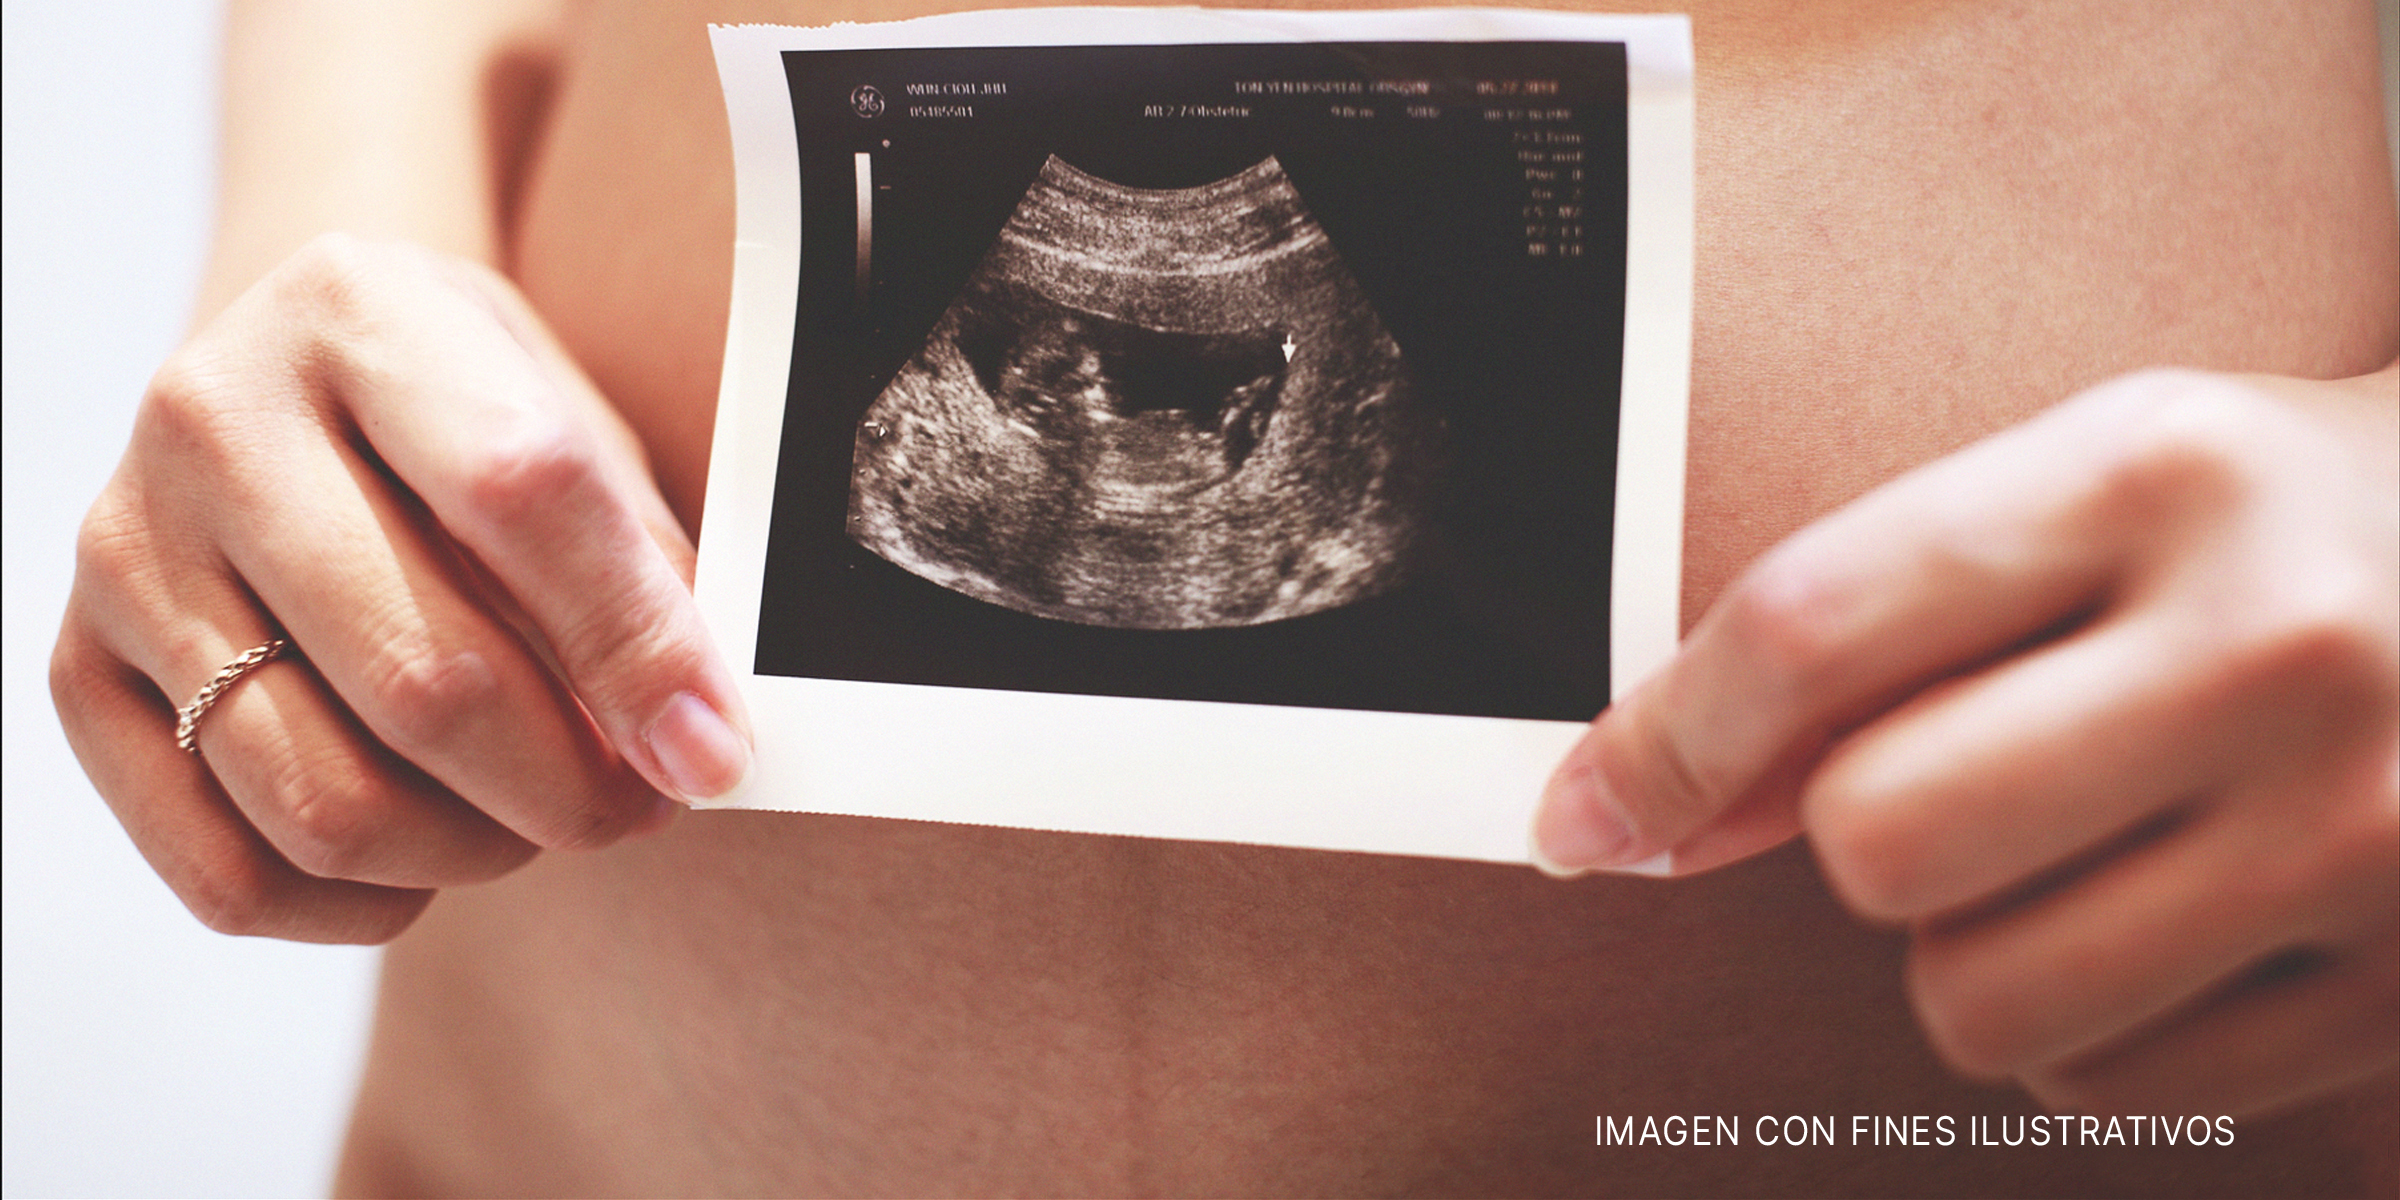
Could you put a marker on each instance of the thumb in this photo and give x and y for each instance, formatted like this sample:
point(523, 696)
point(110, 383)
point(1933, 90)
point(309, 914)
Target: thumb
point(1628, 794)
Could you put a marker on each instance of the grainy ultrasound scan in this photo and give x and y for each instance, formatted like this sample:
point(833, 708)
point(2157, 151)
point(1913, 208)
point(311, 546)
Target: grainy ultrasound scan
point(1152, 408)
point(1275, 374)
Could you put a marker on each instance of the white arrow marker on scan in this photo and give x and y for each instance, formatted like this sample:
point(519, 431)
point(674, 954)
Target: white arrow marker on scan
point(1288, 347)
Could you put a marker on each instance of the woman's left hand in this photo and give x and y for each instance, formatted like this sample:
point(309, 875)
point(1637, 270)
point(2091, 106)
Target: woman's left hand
point(2105, 710)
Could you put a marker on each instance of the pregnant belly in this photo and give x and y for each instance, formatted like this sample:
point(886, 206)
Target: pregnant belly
point(1916, 226)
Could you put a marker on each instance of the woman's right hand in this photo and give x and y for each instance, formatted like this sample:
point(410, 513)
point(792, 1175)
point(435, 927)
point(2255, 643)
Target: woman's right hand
point(381, 454)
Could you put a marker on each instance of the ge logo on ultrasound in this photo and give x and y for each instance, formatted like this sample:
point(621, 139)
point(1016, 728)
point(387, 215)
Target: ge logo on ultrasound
point(866, 101)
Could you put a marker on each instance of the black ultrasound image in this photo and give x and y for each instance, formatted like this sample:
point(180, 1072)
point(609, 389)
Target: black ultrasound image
point(1155, 409)
point(1270, 374)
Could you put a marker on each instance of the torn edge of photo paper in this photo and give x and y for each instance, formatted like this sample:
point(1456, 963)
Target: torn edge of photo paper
point(1236, 426)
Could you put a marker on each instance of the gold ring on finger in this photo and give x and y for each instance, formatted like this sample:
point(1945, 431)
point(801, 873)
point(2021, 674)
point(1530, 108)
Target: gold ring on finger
point(187, 718)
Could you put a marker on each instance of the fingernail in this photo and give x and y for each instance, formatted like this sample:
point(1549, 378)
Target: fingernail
point(703, 758)
point(1578, 827)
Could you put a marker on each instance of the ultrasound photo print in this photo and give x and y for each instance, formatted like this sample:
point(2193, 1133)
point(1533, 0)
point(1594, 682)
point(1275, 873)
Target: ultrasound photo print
point(1276, 373)
point(1154, 409)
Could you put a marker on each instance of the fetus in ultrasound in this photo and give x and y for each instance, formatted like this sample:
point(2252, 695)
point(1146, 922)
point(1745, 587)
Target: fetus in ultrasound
point(1153, 410)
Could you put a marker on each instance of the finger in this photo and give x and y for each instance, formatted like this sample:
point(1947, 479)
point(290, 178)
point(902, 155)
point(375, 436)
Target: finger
point(2109, 951)
point(1995, 779)
point(1945, 568)
point(331, 799)
point(625, 460)
point(1768, 817)
point(475, 425)
point(123, 732)
point(384, 614)
point(336, 803)
point(2266, 1044)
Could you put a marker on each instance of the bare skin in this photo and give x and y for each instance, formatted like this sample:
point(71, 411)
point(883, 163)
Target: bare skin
point(1919, 226)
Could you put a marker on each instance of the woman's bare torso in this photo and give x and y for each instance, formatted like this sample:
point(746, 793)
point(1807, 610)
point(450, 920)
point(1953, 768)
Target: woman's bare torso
point(1917, 224)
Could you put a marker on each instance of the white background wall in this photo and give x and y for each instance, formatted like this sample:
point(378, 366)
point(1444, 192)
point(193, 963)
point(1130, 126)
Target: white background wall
point(144, 1054)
